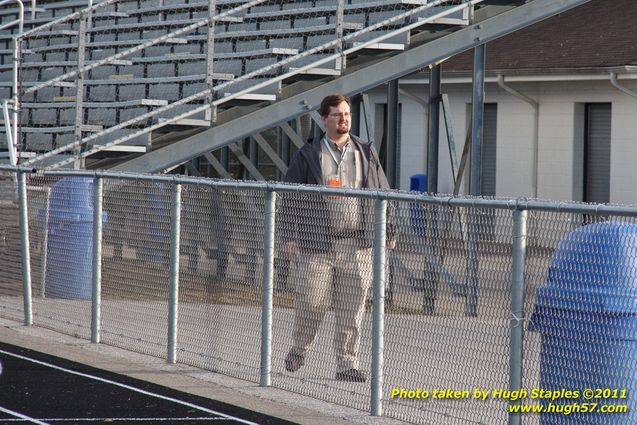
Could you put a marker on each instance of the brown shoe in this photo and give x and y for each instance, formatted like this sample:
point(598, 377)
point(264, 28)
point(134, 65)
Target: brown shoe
point(351, 375)
point(294, 361)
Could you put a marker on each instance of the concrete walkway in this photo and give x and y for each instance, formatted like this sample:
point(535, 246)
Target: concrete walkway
point(271, 401)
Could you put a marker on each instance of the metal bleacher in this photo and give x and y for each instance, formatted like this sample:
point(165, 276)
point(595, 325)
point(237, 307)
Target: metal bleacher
point(105, 80)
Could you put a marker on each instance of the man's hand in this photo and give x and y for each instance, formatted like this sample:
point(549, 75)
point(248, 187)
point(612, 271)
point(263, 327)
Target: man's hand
point(391, 244)
point(290, 249)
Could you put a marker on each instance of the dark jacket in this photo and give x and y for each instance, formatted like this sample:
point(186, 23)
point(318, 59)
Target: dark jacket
point(305, 216)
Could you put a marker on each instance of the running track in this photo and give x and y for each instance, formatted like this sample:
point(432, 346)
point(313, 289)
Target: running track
point(37, 388)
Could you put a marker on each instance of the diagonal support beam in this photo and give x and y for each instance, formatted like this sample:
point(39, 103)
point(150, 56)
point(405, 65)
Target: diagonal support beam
point(369, 121)
point(191, 169)
point(463, 163)
point(265, 146)
point(316, 117)
point(451, 141)
point(219, 168)
point(355, 82)
point(293, 135)
point(245, 161)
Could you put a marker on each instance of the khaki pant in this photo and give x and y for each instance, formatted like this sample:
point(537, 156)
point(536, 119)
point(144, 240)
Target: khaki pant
point(341, 277)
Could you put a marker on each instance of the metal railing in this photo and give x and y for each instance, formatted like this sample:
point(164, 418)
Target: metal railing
point(12, 130)
point(463, 347)
point(20, 19)
point(210, 94)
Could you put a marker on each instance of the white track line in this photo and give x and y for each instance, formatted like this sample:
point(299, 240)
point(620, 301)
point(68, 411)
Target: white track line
point(128, 387)
point(21, 416)
point(207, 418)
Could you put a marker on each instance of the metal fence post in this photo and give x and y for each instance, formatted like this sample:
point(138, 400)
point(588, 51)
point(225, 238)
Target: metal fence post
point(24, 247)
point(45, 243)
point(473, 264)
point(96, 298)
point(475, 178)
point(378, 308)
point(173, 286)
point(268, 279)
point(517, 306)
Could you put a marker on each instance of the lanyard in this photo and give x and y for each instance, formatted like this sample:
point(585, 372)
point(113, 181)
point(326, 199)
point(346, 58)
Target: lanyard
point(331, 151)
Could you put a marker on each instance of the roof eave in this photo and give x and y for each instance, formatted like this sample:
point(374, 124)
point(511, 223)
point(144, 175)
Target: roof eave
point(624, 72)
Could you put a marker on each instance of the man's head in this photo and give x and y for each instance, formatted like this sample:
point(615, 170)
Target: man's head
point(335, 113)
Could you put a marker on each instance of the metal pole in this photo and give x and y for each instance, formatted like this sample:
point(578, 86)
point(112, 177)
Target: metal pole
point(16, 96)
point(13, 156)
point(79, 93)
point(340, 12)
point(369, 122)
point(477, 118)
point(225, 158)
point(391, 163)
point(517, 306)
point(24, 246)
point(89, 17)
point(16, 65)
point(284, 148)
point(433, 148)
point(253, 152)
point(98, 190)
point(173, 285)
point(210, 82)
point(45, 243)
point(473, 264)
point(268, 285)
point(475, 178)
point(434, 128)
point(11, 146)
point(378, 309)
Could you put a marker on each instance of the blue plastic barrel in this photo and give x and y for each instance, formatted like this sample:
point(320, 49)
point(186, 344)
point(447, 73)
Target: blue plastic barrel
point(586, 313)
point(70, 247)
point(418, 183)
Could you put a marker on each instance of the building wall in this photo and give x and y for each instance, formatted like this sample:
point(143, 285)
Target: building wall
point(623, 187)
point(560, 137)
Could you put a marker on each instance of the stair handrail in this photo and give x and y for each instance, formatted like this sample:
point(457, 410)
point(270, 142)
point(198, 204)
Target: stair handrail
point(11, 147)
point(80, 15)
point(20, 19)
point(141, 46)
point(70, 17)
point(219, 101)
point(12, 134)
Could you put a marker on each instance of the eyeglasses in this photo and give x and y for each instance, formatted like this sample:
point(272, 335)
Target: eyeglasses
point(341, 115)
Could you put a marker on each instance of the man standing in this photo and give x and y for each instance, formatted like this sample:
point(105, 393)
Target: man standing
point(333, 238)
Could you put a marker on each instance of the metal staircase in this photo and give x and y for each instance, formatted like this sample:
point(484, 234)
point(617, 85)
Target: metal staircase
point(168, 82)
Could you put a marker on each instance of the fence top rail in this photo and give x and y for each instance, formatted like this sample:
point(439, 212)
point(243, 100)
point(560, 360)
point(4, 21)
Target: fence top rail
point(521, 204)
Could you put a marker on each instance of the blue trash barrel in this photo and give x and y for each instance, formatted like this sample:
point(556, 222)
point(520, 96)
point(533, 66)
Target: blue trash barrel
point(418, 183)
point(586, 313)
point(70, 247)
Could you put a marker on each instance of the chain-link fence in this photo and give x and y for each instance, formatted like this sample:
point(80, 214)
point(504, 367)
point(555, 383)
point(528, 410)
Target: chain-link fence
point(295, 286)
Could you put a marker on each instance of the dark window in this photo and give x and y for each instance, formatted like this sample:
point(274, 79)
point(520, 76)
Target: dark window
point(597, 152)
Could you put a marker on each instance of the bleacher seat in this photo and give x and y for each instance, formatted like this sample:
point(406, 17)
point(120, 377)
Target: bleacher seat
point(253, 40)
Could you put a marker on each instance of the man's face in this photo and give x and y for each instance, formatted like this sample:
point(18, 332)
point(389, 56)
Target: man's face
point(338, 121)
